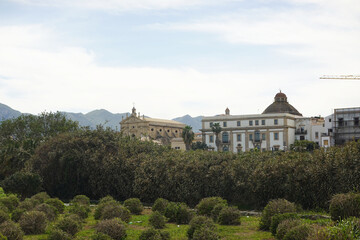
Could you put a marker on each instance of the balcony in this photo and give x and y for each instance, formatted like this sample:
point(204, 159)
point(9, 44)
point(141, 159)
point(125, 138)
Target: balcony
point(300, 132)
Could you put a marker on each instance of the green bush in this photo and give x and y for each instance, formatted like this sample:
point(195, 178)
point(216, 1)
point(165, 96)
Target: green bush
point(344, 205)
point(2, 237)
point(50, 212)
point(171, 211)
point(100, 236)
point(80, 210)
point(134, 205)
point(345, 229)
point(106, 199)
point(275, 207)
point(157, 220)
point(11, 230)
point(81, 200)
point(2, 193)
point(116, 211)
point(16, 214)
point(58, 234)
point(216, 211)
point(278, 218)
point(41, 197)
point(206, 205)
point(205, 233)
point(56, 203)
point(229, 216)
point(183, 214)
point(33, 222)
point(285, 226)
point(200, 223)
point(153, 234)
point(160, 205)
point(68, 225)
point(28, 204)
point(100, 207)
point(299, 232)
point(115, 228)
point(11, 201)
point(24, 184)
point(3, 216)
point(3, 208)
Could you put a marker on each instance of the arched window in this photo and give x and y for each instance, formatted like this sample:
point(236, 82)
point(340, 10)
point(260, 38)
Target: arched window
point(225, 137)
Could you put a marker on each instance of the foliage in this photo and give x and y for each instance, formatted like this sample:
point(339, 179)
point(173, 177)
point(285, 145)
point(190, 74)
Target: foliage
point(56, 203)
point(11, 230)
point(157, 220)
point(28, 204)
point(11, 201)
point(80, 200)
point(275, 207)
point(134, 205)
point(304, 145)
point(216, 211)
point(217, 130)
point(2, 193)
point(205, 233)
point(2, 237)
point(33, 222)
point(106, 199)
point(17, 213)
point(344, 205)
point(160, 205)
point(199, 146)
point(188, 136)
point(200, 223)
point(153, 234)
point(100, 236)
point(115, 228)
point(22, 183)
point(58, 234)
point(50, 212)
point(111, 211)
point(345, 229)
point(278, 218)
point(229, 216)
point(3, 216)
point(40, 197)
point(183, 214)
point(285, 226)
point(68, 225)
point(81, 210)
point(206, 205)
point(299, 232)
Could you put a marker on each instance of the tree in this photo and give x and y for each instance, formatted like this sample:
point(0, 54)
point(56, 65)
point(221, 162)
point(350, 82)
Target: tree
point(188, 136)
point(217, 130)
point(199, 145)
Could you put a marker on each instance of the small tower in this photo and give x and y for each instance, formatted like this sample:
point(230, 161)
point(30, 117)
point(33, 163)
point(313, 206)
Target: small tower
point(133, 111)
point(227, 111)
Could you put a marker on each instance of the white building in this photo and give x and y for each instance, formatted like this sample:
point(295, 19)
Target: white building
point(274, 129)
point(312, 129)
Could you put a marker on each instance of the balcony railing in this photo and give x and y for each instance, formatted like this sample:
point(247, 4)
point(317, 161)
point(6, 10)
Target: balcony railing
point(300, 132)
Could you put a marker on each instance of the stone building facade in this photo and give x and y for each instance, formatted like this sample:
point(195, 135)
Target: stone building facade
point(159, 130)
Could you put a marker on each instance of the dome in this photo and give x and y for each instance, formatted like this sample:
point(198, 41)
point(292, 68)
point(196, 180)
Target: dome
point(281, 105)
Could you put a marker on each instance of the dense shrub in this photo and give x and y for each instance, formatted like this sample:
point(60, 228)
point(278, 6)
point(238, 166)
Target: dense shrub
point(16, 214)
point(50, 212)
point(345, 229)
point(41, 197)
point(200, 223)
point(160, 205)
point(153, 234)
point(81, 200)
point(216, 211)
point(171, 211)
point(278, 218)
point(11, 230)
point(56, 203)
point(2, 237)
point(116, 211)
point(285, 226)
point(80, 210)
point(24, 184)
point(344, 205)
point(183, 214)
point(33, 222)
point(28, 204)
point(157, 220)
point(115, 228)
point(134, 205)
point(205, 233)
point(100, 207)
point(3, 216)
point(229, 216)
point(3, 208)
point(299, 232)
point(275, 207)
point(68, 225)
point(10, 201)
point(106, 199)
point(100, 236)
point(58, 234)
point(206, 205)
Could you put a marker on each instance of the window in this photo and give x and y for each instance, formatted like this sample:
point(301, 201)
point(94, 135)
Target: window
point(250, 137)
point(250, 122)
point(238, 137)
point(302, 137)
point(275, 121)
point(356, 121)
point(341, 122)
point(224, 124)
point(211, 124)
point(317, 135)
point(262, 122)
point(177, 148)
point(276, 136)
point(276, 148)
point(238, 123)
point(176, 131)
point(257, 122)
point(152, 129)
point(160, 130)
point(133, 126)
point(168, 130)
point(326, 142)
point(225, 137)
point(329, 119)
point(263, 136)
point(257, 136)
point(211, 139)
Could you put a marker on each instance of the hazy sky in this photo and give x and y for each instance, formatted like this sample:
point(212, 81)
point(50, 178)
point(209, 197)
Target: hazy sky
point(177, 57)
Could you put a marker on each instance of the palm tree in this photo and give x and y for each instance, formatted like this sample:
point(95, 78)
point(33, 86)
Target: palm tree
point(217, 130)
point(188, 136)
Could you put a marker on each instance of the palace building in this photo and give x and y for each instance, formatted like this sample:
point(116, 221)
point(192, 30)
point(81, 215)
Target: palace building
point(158, 130)
point(274, 129)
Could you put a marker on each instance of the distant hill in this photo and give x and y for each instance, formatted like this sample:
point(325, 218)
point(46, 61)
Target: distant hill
point(7, 112)
point(101, 116)
point(195, 122)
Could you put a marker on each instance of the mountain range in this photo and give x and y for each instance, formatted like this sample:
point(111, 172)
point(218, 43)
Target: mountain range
point(102, 116)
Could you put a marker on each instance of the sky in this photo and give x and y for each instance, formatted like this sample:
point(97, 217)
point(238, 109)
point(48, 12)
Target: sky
point(177, 57)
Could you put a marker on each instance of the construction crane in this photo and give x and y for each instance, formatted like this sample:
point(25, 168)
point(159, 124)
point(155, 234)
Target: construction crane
point(349, 77)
